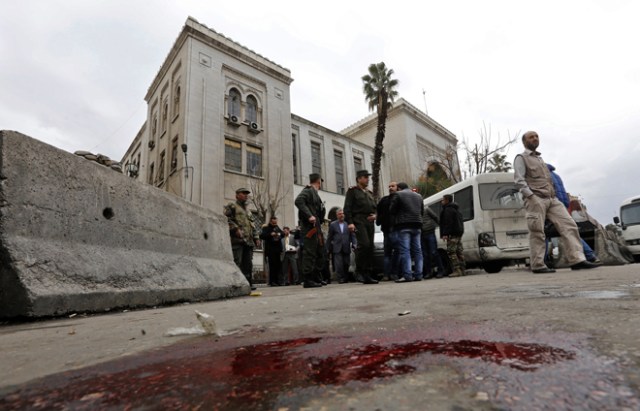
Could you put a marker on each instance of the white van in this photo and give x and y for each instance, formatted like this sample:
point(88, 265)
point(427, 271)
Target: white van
point(495, 228)
point(630, 223)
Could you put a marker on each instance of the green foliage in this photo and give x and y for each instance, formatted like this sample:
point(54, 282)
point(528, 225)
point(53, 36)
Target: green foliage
point(498, 164)
point(433, 182)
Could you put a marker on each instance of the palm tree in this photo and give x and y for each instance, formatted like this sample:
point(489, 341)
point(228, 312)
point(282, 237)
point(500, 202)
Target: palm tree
point(379, 91)
point(498, 164)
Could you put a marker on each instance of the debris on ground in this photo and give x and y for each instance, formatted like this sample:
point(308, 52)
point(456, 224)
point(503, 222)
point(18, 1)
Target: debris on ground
point(406, 312)
point(207, 327)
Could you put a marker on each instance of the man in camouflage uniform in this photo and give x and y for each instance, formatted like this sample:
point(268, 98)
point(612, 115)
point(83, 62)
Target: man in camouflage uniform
point(360, 214)
point(244, 236)
point(311, 213)
point(451, 230)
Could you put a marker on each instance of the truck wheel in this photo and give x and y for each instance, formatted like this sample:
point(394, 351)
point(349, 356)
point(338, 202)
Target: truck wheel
point(492, 267)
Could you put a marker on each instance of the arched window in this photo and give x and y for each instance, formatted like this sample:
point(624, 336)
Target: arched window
point(234, 103)
point(252, 109)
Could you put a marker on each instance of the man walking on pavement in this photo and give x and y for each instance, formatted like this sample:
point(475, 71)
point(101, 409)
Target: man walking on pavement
point(311, 213)
point(407, 207)
point(451, 230)
point(360, 213)
point(340, 241)
point(385, 220)
point(532, 177)
point(244, 236)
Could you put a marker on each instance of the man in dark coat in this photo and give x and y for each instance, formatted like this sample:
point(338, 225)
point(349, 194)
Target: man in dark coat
point(430, 245)
point(340, 242)
point(311, 213)
point(385, 220)
point(451, 230)
point(360, 213)
point(271, 235)
point(407, 207)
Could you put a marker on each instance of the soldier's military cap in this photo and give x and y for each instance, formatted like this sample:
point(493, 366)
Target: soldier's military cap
point(243, 190)
point(362, 173)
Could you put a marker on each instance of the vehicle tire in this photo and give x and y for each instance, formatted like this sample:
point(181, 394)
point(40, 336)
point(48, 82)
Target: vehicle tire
point(493, 267)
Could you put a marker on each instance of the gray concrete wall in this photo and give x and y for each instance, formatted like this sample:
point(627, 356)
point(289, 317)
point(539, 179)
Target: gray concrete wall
point(78, 236)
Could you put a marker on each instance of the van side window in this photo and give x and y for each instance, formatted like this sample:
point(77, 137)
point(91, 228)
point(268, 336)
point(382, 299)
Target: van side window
point(464, 199)
point(436, 207)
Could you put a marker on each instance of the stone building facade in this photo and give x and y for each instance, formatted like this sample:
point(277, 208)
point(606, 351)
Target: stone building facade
point(219, 117)
point(413, 140)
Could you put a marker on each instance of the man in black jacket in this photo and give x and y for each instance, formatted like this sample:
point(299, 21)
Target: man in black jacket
point(360, 213)
point(311, 213)
point(385, 220)
point(430, 253)
point(451, 230)
point(407, 207)
point(271, 235)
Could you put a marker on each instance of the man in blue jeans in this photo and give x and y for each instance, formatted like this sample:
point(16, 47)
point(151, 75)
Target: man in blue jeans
point(430, 253)
point(407, 207)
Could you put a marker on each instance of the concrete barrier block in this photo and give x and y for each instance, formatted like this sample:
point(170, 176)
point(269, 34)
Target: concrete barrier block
point(78, 236)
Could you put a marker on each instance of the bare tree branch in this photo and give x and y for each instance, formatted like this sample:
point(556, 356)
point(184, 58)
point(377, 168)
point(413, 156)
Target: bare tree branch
point(479, 155)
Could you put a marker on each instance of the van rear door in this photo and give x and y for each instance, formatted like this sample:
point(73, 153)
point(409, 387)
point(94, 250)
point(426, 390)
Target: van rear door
point(511, 232)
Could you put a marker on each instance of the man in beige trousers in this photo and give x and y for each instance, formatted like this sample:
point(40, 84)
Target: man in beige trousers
point(534, 181)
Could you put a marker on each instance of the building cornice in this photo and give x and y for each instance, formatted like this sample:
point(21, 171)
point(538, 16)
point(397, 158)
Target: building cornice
point(402, 105)
point(210, 37)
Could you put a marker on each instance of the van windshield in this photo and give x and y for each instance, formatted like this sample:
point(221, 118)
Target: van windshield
point(630, 214)
point(499, 196)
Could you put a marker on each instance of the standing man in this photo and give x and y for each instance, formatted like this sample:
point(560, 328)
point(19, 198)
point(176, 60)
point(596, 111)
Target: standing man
point(244, 236)
point(532, 177)
point(407, 207)
point(430, 253)
point(360, 213)
point(451, 230)
point(311, 215)
point(289, 257)
point(271, 235)
point(340, 241)
point(385, 220)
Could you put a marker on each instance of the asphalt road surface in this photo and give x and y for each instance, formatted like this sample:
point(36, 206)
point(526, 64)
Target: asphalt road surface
point(506, 341)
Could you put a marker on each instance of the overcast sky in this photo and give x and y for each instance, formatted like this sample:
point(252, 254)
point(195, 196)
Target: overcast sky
point(74, 73)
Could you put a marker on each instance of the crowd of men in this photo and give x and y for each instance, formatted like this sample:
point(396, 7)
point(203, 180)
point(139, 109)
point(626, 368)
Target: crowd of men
point(318, 246)
point(410, 245)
